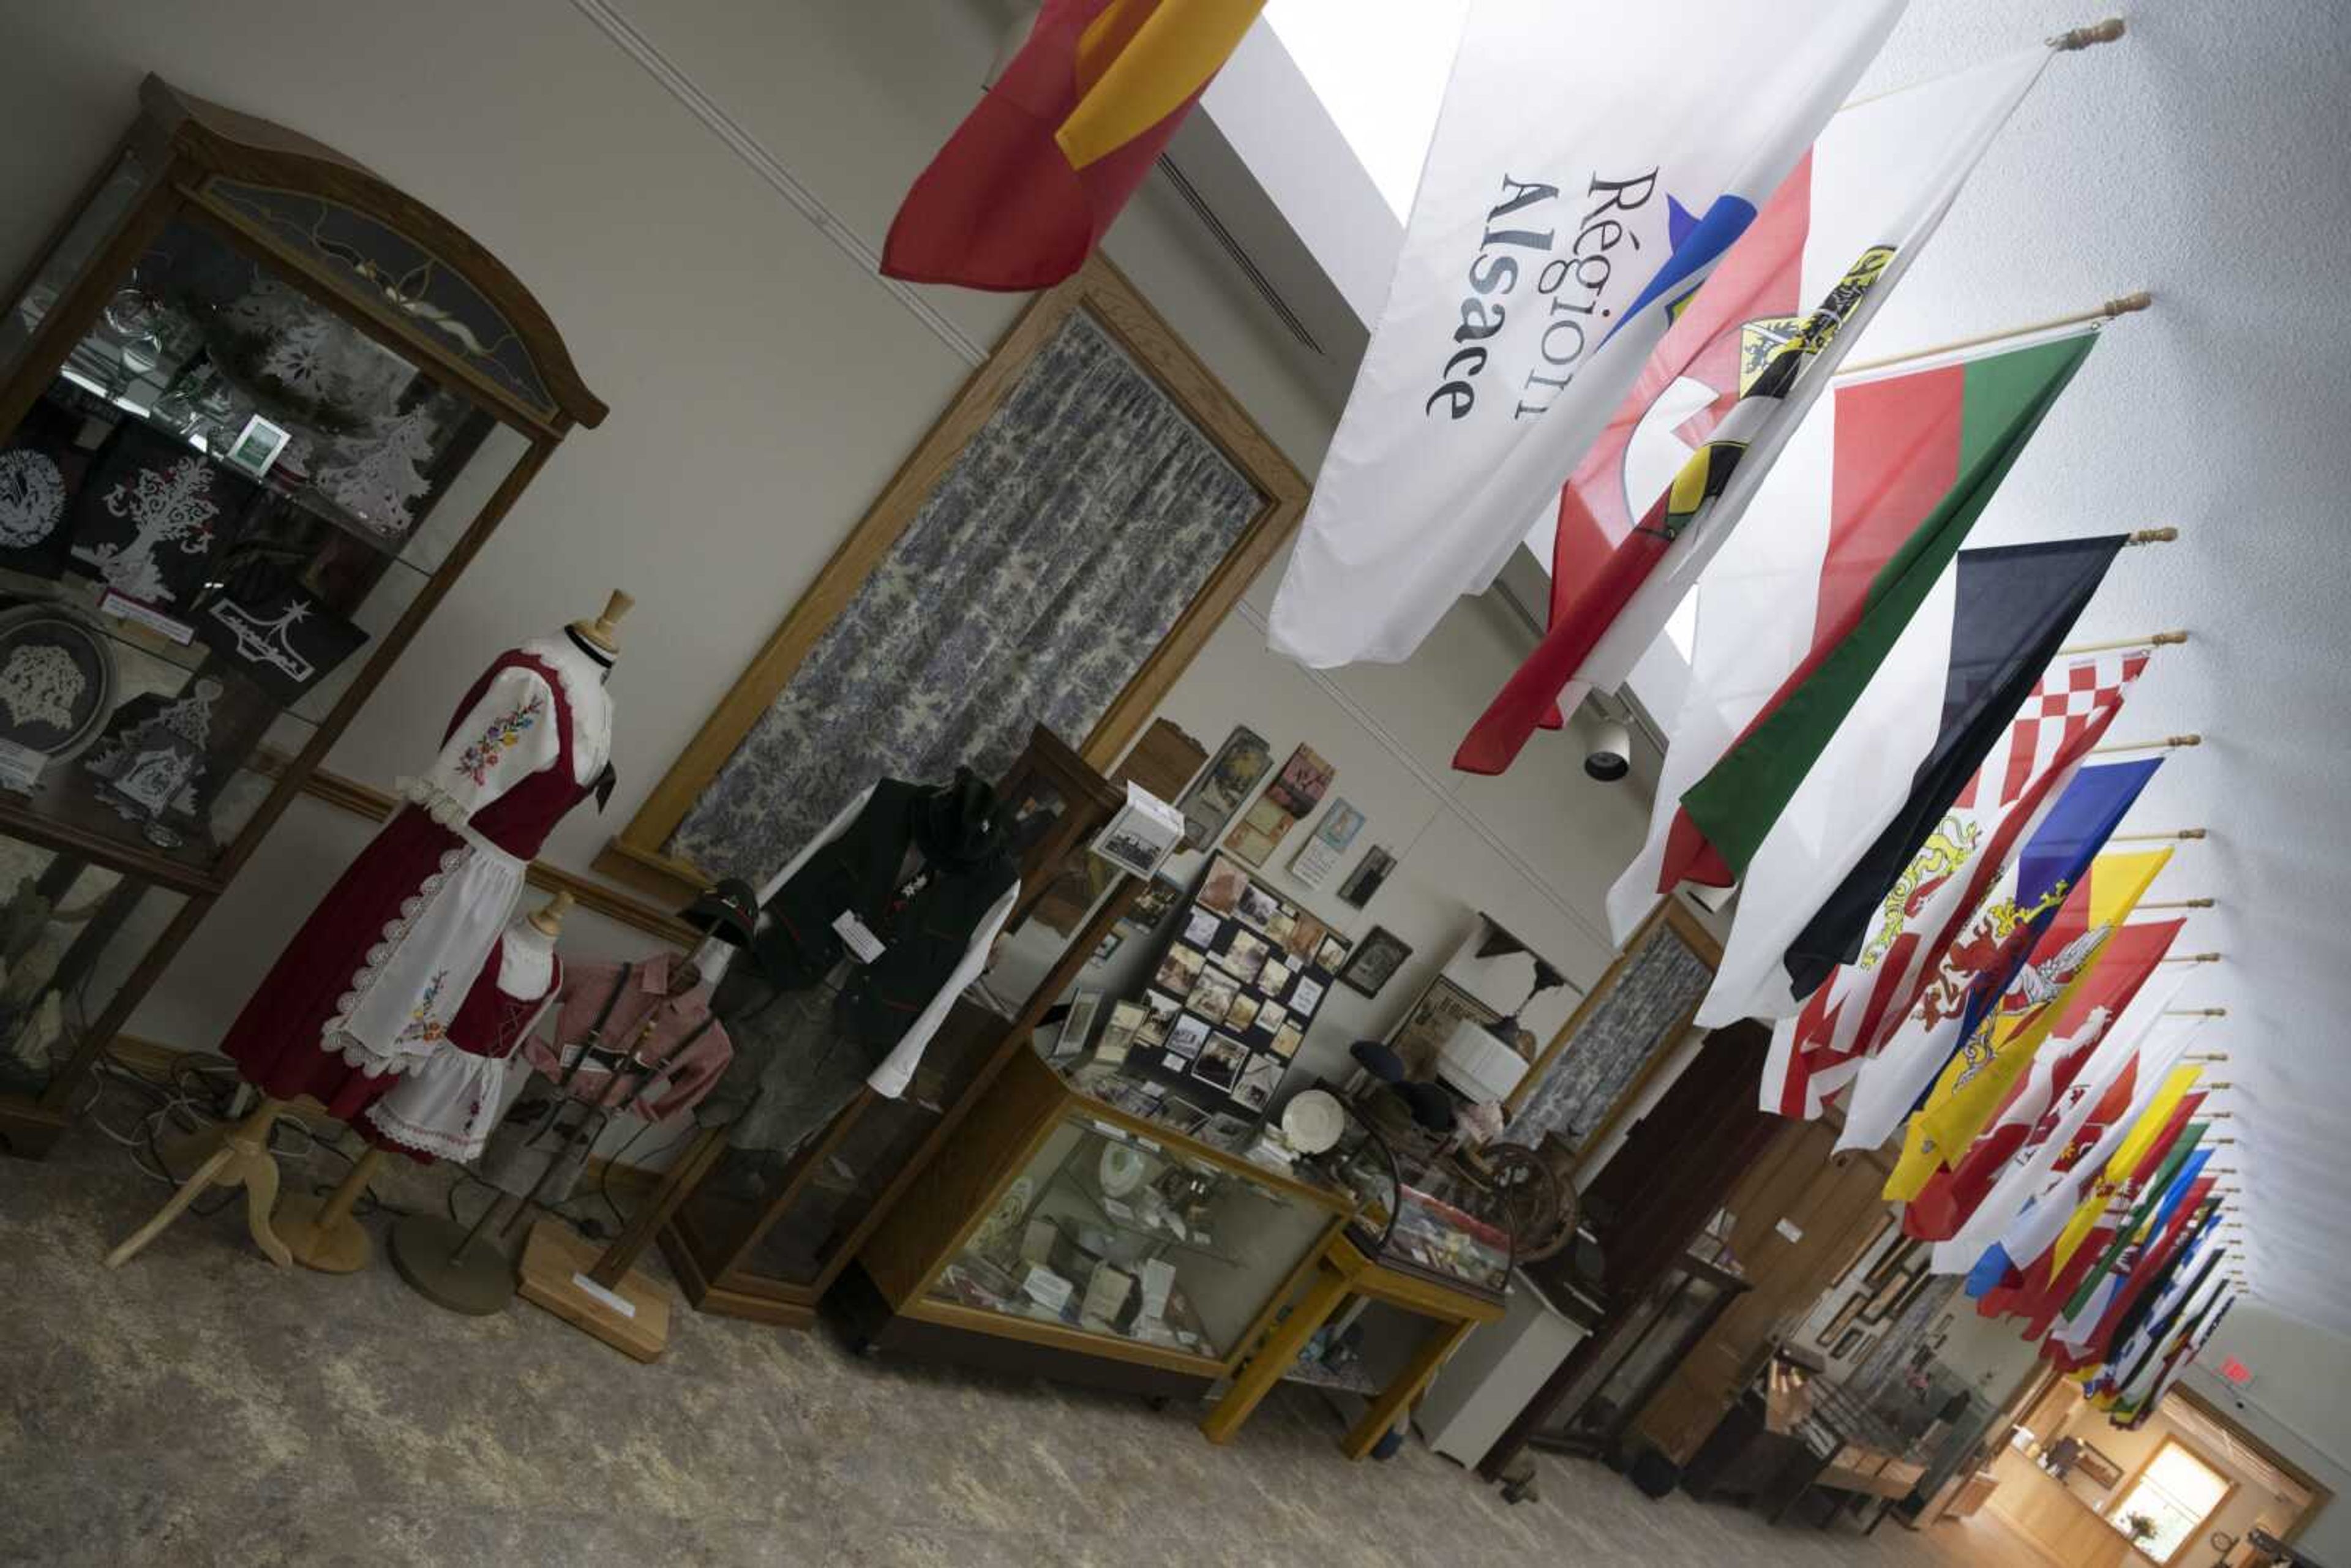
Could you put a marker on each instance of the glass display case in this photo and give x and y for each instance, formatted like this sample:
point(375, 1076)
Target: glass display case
point(1077, 1240)
point(258, 408)
point(1432, 1218)
point(764, 1236)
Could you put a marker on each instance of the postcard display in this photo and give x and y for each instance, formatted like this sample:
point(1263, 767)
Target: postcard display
point(1234, 994)
point(258, 408)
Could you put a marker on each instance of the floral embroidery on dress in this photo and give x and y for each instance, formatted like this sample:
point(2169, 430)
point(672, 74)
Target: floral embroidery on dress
point(501, 738)
point(421, 1024)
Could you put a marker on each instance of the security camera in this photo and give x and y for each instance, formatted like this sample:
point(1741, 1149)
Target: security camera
point(1611, 756)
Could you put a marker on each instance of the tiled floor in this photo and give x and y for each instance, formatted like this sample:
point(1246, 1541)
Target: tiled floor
point(201, 1408)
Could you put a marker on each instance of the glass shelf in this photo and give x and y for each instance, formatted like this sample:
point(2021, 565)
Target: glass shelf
point(1120, 1235)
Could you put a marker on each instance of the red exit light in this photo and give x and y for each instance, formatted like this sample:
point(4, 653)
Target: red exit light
point(2236, 1372)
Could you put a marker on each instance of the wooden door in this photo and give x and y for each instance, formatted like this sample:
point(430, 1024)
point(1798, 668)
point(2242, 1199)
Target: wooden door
point(1800, 1219)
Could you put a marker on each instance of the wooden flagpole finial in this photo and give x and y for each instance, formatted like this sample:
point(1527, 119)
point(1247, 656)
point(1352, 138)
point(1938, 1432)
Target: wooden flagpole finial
point(2105, 32)
point(2168, 743)
point(2151, 838)
point(2161, 640)
point(2130, 304)
point(2162, 535)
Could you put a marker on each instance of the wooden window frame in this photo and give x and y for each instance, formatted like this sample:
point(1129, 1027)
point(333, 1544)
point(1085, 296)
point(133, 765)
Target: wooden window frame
point(635, 857)
point(2195, 1537)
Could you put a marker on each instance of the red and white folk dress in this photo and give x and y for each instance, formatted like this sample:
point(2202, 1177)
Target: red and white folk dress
point(366, 990)
point(447, 1106)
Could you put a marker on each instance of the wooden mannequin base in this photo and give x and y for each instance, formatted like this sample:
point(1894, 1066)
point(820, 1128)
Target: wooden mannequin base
point(554, 1264)
point(339, 1246)
point(239, 1157)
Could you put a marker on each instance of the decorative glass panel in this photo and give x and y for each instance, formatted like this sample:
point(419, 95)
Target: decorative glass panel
point(381, 264)
point(90, 228)
point(70, 933)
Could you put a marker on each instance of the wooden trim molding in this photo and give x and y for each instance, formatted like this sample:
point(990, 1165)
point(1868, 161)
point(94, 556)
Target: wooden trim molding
point(378, 805)
point(636, 857)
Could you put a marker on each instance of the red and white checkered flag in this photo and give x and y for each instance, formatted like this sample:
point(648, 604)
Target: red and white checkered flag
point(1815, 1054)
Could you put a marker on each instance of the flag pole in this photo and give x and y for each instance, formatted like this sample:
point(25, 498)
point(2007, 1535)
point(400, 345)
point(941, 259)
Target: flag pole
point(2177, 903)
point(2162, 535)
point(2146, 838)
point(2161, 640)
point(2168, 743)
point(2206, 1056)
point(2196, 1012)
point(2192, 958)
point(2073, 39)
point(2125, 305)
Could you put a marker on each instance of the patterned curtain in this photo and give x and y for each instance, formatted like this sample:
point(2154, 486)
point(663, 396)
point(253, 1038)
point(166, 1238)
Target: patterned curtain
point(1049, 562)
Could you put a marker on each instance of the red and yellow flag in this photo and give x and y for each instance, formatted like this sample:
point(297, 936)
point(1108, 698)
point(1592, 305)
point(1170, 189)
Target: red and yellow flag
point(1025, 188)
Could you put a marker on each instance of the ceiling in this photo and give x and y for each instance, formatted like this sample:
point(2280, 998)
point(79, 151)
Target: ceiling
point(2201, 158)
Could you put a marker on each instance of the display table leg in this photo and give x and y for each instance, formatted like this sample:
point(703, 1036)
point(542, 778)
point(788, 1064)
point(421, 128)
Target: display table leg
point(320, 1232)
point(1435, 1346)
point(1276, 1355)
point(243, 1159)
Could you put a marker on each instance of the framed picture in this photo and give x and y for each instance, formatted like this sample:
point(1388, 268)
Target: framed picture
point(1245, 956)
point(1242, 1015)
point(1891, 1290)
point(1890, 1262)
point(1153, 905)
point(1365, 879)
point(1126, 1020)
point(1109, 945)
point(1851, 1344)
point(1163, 1010)
point(1213, 994)
point(1220, 1062)
point(1258, 906)
point(1240, 765)
point(1261, 1076)
point(1318, 858)
point(1201, 926)
point(1274, 978)
point(1294, 793)
point(1141, 835)
point(1375, 961)
point(1179, 971)
point(1186, 1035)
point(1842, 1322)
point(1222, 888)
point(2099, 1467)
point(1425, 1030)
point(1077, 1026)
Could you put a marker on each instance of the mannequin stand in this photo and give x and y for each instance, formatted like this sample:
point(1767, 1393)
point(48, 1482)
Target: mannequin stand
point(239, 1157)
point(451, 1266)
point(320, 1232)
point(602, 1294)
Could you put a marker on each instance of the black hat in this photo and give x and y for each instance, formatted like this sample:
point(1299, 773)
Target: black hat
point(730, 912)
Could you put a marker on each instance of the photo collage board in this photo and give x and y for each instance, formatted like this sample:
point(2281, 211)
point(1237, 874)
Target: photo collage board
point(1234, 994)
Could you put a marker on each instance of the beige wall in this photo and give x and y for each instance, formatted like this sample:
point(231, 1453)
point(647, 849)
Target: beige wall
point(763, 386)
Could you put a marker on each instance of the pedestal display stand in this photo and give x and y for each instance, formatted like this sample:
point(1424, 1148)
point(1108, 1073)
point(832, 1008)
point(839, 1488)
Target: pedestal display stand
point(240, 1157)
point(320, 1232)
point(452, 1266)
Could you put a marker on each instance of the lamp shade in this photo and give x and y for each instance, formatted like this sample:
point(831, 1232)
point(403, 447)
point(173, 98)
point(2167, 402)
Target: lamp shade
point(1478, 1064)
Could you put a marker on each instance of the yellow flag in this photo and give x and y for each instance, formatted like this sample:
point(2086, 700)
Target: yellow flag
point(1138, 62)
point(2133, 1148)
point(1975, 1082)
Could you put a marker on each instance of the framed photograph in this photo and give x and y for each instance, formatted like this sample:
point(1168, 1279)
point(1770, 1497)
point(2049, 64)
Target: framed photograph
point(1374, 962)
point(1163, 1010)
point(1227, 1132)
point(1260, 831)
point(1891, 1290)
point(1179, 971)
point(1919, 1280)
point(1261, 1076)
point(1851, 1344)
point(1365, 879)
point(1222, 888)
point(1242, 1015)
point(2098, 1466)
point(1186, 1035)
point(1141, 835)
point(1257, 906)
point(1842, 1322)
point(1126, 1021)
point(1077, 1026)
point(257, 447)
point(1286, 1040)
point(1201, 926)
point(1299, 787)
point(1153, 905)
point(1283, 927)
point(1430, 1023)
point(1213, 994)
point(1318, 858)
point(1272, 1016)
point(1331, 952)
point(1891, 1261)
point(1238, 765)
point(1220, 1062)
point(1245, 957)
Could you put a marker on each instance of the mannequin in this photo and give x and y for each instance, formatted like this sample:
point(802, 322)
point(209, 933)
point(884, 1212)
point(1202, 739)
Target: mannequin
point(468, 1073)
point(931, 878)
point(452, 1112)
point(365, 991)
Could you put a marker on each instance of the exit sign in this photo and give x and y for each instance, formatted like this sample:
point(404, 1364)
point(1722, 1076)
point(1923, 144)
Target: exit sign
point(2236, 1372)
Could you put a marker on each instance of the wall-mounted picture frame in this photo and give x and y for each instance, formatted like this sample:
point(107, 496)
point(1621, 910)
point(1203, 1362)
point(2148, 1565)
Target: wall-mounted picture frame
point(1077, 1026)
point(1842, 1322)
point(1364, 881)
point(1375, 961)
point(1853, 1344)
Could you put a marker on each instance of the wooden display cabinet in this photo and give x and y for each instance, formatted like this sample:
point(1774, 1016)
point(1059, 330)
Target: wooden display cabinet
point(1043, 1188)
point(764, 1238)
point(260, 409)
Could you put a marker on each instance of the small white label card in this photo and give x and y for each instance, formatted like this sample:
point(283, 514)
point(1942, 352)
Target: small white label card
point(863, 945)
point(1047, 1289)
point(126, 609)
point(20, 765)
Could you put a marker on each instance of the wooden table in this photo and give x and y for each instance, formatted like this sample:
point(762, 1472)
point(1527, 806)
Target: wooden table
point(1342, 1271)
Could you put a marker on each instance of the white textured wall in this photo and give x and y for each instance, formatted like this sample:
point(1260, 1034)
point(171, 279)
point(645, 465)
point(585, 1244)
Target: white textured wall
point(763, 387)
